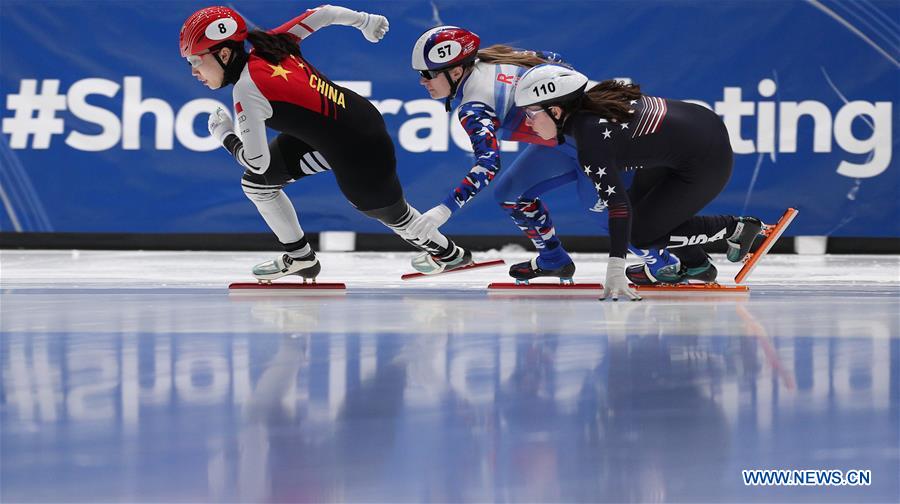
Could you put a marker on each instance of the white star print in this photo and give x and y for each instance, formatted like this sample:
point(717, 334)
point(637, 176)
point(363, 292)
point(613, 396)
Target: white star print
point(611, 190)
point(632, 102)
point(601, 172)
point(624, 126)
point(587, 169)
point(597, 186)
point(607, 133)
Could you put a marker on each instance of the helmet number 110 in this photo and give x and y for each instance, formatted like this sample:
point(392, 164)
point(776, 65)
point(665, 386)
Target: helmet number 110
point(544, 89)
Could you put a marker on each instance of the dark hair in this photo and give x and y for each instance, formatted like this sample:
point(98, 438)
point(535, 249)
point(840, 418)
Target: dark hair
point(609, 99)
point(504, 54)
point(273, 47)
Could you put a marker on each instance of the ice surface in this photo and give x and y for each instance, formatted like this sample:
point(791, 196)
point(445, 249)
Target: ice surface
point(135, 376)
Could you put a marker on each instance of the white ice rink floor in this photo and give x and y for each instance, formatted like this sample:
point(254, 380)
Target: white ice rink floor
point(134, 376)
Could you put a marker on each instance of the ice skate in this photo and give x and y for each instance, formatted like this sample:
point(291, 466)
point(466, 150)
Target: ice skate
point(659, 266)
point(307, 267)
point(428, 264)
point(740, 242)
point(772, 232)
point(525, 271)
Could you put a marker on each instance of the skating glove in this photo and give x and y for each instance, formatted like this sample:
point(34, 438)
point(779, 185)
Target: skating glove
point(616, 281)
point(374, 27)
point(220, 125)
point(429, 221)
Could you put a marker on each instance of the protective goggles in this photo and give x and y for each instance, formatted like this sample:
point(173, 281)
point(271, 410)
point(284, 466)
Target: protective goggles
point(531, 113)
point(430, 74)
point(195, 60)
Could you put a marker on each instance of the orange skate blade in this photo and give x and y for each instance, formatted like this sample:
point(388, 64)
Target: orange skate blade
point(474, 265)
point(772, 234)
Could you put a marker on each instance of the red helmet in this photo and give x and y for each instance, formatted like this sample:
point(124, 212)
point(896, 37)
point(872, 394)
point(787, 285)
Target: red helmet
point(210, 27)
point(444, 47)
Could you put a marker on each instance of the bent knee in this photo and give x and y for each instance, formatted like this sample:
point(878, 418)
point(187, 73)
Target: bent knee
point(260, 192)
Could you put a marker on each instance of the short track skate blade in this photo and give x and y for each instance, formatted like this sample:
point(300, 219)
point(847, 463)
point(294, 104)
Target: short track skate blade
point(713, 290)
point(772, 235)
point(545, 289)
point(291, 288)
point(474, 265)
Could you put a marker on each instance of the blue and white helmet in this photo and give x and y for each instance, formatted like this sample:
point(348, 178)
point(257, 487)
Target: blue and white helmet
point(549, 83)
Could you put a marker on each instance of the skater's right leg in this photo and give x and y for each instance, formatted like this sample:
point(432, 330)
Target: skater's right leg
point(291, 159)
point(537, 170)
point(441, 253)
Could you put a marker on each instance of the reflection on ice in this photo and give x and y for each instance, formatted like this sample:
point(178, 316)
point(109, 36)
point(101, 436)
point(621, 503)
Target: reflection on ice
point(442, 395)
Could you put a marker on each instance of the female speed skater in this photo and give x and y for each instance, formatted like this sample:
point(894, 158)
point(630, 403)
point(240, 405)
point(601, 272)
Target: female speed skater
point(451, 67)
point(681, 157)
point(322, 127)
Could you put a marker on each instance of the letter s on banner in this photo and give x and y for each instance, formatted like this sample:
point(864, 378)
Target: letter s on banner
point(80, 108)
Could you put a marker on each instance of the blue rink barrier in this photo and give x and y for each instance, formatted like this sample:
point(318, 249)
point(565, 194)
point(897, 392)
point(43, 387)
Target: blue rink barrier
point(104, 128)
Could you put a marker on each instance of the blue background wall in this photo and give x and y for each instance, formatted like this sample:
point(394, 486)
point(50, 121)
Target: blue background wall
point(159, 173)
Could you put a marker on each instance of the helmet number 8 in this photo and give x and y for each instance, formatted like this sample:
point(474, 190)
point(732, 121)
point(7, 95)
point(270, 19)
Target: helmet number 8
point(222, 28)
point(545, 88)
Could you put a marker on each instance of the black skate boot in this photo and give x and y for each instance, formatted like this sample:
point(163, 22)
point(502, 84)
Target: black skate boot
point(705, 273)
point(740, 242)
point(431, 265)
point(525, 271)
point(307, 267)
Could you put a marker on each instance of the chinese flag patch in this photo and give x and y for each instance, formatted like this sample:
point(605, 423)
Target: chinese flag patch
point(239, 108)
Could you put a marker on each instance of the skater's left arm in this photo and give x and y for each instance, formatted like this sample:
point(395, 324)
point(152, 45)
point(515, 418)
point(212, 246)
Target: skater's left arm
point(598, 161)
point(481, 123)
point(373, 26)
point(249, 146)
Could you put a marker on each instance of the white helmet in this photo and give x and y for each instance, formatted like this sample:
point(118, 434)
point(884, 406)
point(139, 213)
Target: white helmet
point(549, 83)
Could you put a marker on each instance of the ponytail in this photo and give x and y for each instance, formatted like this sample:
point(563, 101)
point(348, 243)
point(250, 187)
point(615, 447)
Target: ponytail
point(273, 48)
point(610, 99)
point(504, 54)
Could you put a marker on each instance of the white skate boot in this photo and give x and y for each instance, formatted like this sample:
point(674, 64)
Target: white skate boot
point(428, 264)
point(307, 267)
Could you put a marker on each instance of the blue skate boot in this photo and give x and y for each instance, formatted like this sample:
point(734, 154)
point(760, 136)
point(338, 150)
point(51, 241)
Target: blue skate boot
point(659, 266)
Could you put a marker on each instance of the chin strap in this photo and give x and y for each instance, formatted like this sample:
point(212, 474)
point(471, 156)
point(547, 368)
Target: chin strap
point(234, 67)
point(560, 136)
point(454, 85)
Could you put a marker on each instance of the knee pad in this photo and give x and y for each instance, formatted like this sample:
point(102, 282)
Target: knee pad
point(258, 192)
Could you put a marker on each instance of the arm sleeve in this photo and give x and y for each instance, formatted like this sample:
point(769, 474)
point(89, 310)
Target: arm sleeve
point(312, 20)
point(597, 159)
point(251, 146)
point(481, 124)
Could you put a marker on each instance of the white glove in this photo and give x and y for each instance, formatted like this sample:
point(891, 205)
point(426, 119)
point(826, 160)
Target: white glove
point(617, 282)
point(429, 221)
point(220, 125)
point(374, 27)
